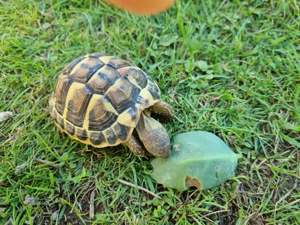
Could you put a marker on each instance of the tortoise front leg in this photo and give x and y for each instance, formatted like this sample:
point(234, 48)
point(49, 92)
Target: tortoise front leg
point(136, 146)
point(163, 109)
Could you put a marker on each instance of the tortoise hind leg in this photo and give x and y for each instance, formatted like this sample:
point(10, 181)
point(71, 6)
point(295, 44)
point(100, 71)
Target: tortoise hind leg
point(163, 109)
point(136, 146)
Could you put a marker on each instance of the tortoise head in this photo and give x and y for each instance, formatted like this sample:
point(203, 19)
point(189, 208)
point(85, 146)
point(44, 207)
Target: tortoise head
point(153, 135)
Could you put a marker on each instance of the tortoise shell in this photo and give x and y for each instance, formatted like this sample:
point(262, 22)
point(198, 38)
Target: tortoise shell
point(98, 99)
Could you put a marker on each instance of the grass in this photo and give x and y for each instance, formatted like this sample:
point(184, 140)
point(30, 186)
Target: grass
point(228, 67)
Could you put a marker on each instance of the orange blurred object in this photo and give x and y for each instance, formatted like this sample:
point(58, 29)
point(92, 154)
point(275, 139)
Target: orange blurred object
point(143, 6)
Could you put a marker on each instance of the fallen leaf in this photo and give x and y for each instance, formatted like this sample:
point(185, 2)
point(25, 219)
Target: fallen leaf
point(166, 40)
point(224, 66)
point(202, 65)
point(29, 200)
point(5, 115)
point(20, 168)
point(46, 26)
point(199, 159)
point(28, 221)
point(189, 66)
point(55, 215)
point(9, 222)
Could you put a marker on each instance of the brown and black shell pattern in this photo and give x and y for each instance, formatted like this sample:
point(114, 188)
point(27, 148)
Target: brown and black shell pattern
point(98, 99)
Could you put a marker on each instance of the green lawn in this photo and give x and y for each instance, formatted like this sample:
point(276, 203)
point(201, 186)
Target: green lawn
point(228, 67)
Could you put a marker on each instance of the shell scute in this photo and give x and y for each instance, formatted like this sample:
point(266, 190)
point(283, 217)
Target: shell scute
point(78, 99)
point(97, 138)
point(122, 94)
point(135, 75)
point(60, 121)
point(110, 136)
point(101, 115)
point(61, 90)
point(96, 55)
point(130, 117)
point(70, 128)
point(84, 70)
point(114, 62)
point(154, 90)
point(122, 132)
point(103, 79)
point(81, 134)
point(67, 70)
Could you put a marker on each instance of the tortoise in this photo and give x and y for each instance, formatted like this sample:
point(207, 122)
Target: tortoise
point(103, 100)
